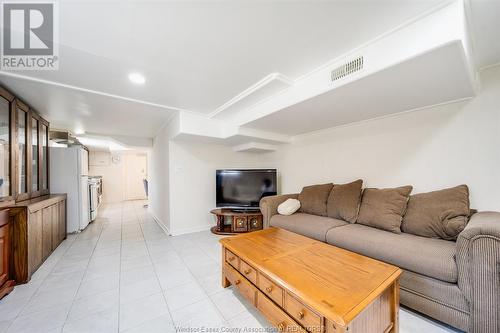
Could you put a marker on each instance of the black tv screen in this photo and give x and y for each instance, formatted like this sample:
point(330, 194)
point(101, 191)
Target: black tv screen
point(244, 188)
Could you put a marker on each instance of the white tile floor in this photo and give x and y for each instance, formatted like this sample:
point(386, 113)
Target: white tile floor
point(123, 274)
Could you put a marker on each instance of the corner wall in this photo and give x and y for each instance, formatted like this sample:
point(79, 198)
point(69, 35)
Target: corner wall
point(192, 181)
point(159, 193)
point(430, 149)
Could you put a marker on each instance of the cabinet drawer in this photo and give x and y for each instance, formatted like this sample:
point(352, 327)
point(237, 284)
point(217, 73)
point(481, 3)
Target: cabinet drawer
point(276, 316)
point(245, 288)
point(248, 272)
point(240, 223)
point(255, 223)
point(232, 259)
point(271, 290)
point(303, 314)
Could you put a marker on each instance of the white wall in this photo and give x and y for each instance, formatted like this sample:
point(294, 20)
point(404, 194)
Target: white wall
point(182, 179)
point(159, 193)
point(114, 173)
point(192, 181)
point(429, 149)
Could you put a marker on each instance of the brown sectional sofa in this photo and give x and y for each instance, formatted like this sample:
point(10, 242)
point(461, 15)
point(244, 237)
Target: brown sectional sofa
point(456, 282)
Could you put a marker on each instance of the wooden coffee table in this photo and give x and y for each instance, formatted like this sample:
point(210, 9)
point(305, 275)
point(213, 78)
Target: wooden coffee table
point(300, 284)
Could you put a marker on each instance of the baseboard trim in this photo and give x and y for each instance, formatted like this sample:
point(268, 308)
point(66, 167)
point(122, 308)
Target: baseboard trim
point(183, 231)
point(160, 224)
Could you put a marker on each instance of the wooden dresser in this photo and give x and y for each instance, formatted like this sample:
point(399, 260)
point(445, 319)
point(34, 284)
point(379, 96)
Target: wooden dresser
point(38, 226)
point(302, 285)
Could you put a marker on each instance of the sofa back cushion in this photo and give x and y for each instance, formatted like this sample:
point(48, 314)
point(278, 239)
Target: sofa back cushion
point(343, 201)
point(384, 208)
point(438, 214)
point(313, 199)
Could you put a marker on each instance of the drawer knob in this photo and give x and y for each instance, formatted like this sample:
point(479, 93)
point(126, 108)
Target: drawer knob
point(230, 258)
point(269, 289)
point(247, 271)
point(237, 282)
point(281, 326)
point(301, 315)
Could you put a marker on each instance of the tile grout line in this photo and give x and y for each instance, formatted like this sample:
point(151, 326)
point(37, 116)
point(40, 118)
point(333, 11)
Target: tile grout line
point(41, 283)
point(81, 281)
point(224, 320)
point(156, 274)
point(196, 280)
point(158, 279)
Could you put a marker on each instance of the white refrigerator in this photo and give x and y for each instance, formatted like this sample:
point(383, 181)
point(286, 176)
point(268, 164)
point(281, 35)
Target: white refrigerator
point(69, 169)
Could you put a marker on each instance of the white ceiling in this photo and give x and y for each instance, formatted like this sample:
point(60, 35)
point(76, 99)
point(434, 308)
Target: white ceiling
point(76, 110)
point(485, 21)
point(195, 55)
point(421, 81)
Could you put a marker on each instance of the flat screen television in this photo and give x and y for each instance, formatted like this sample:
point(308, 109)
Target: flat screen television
point(243, 189)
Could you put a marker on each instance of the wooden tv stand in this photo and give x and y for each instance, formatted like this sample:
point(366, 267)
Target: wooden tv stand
point(231, 222)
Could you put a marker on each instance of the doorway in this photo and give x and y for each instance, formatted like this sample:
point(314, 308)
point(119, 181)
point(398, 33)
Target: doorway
point(135, 167)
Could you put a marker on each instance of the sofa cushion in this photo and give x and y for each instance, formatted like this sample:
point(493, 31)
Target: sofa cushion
point(427, 256)
point(438, 214)
point(312, 226)
point(437, 290)
point(313, 199)
point(343, 201)
point(384, 208)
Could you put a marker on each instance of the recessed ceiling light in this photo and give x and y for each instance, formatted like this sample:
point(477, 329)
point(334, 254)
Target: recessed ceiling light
point(137, 78)
point(79, 131)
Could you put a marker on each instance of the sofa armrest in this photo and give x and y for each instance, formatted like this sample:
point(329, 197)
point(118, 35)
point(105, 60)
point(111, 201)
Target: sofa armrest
point(269, 206)
point(478, 261)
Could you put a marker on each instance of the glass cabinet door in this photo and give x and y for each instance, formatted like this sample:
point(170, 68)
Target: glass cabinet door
point(22, 135)
point(45, 143)
point(5, 157)
point(34, 155)
point(24, 151)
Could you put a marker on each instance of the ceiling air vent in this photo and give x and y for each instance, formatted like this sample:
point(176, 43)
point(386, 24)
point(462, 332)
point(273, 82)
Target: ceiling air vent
point(347, 69)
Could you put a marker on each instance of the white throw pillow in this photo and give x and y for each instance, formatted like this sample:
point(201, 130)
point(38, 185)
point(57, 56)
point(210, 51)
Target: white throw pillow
point(289, 206)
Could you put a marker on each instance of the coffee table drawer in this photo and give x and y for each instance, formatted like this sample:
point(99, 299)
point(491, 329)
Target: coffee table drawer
point(245, 288)
point(302, 313)
point(271, 289)
point(248, 271)
point(276, 316)
point(232, 259)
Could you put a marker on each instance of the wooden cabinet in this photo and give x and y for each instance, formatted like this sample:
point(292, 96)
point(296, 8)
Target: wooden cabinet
point(39, 227)
point(6, 283)
point(24, 153)
point(46, 232)
point(35, 247)
point(231, 222)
